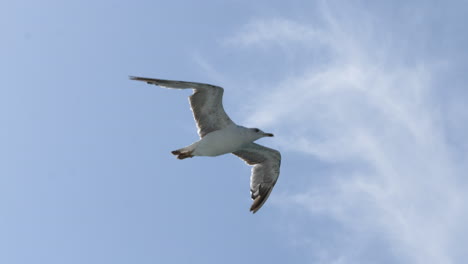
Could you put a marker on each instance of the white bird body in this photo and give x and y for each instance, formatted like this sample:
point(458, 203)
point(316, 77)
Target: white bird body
point(223, 141)
point(220, 135)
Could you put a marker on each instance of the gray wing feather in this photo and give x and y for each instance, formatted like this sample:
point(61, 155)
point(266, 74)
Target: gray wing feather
point(206, 103)
point(265, 172)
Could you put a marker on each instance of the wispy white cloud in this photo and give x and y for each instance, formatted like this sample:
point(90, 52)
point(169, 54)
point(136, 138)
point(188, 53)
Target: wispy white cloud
point(277, 31)
point(376, 117)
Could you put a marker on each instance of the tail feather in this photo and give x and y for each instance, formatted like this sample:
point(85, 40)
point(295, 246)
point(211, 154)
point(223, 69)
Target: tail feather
point(182, 154)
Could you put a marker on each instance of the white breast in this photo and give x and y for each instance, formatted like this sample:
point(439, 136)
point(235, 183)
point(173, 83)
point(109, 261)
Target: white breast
point(222, 141)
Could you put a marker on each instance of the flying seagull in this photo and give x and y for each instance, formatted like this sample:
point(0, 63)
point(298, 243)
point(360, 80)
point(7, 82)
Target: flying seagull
point(220, 135)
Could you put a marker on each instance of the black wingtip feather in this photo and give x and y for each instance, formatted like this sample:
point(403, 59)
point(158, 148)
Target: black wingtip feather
point(135, 78)
point(257, 204)
point(143, 79)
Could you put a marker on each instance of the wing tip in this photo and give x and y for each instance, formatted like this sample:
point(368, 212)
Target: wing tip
point(260, 200)
point(258, 203)
point(143, 79)
point(134, 78)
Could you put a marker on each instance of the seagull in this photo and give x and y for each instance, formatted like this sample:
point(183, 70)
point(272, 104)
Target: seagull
point(220, 135)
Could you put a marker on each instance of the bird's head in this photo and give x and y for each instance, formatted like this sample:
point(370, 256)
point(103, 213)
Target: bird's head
point(257, 133)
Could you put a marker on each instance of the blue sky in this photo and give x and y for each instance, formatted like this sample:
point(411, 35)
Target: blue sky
point(367, 101)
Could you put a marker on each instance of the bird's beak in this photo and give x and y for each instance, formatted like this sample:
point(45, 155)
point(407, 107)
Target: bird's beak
point(268, 135)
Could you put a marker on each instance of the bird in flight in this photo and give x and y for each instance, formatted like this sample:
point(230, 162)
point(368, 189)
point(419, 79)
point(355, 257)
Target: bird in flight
point(220, 135)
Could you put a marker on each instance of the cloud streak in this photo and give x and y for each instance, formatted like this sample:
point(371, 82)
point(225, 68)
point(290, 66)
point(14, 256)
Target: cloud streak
point(375, 116)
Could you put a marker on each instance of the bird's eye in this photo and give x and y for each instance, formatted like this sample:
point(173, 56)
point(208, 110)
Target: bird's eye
point(256, 130)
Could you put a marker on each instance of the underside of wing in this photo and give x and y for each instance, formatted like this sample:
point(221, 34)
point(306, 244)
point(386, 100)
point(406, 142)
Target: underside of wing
point(265, 172)
point(208, 110)
point(206, 103)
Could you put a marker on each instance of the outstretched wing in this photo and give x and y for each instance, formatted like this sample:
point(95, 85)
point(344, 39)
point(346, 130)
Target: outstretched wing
point(206, 103)
point(265, 172)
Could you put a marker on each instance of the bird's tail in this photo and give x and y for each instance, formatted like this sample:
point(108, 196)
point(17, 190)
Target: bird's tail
point(186, 152)
point(182, 155)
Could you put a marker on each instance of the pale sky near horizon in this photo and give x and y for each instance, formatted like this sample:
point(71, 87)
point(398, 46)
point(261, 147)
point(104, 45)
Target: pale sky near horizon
point(367, 101)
